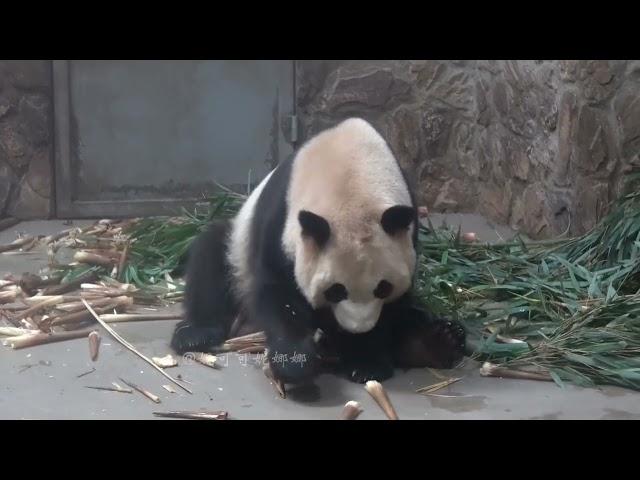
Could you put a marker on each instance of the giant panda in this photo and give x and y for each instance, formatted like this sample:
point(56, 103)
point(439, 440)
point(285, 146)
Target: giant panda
point(325, 243)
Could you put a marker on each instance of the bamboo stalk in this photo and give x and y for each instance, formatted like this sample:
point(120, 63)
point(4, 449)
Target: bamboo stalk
point(251, 337)
point(66, 299)
point(70, 286)
point(29, 246)
point(351, 411)
point(33, 340)
point(123, 261)
point(94, 345)
point(77, 306)
point(217, 415)
point(86, 373)
point(376, 390)
point(9, 296)
point(16, 332)
point(138, 317)
point(131, 348)
point(93, 259)
point(78, 317)
point(251, 343)
point(111, 253)
point(20, 242)
point(54, 300)
point(252, 349)
point(492, 370)
point(149, 395)
point(57, 236)
point(117, 388)
point(437, 386)
point(206, 359)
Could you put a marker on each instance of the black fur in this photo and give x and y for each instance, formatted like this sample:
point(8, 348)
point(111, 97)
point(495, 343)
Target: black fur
point(404, 337)
point(398, 218)
point(209, 305)
point(314, 226)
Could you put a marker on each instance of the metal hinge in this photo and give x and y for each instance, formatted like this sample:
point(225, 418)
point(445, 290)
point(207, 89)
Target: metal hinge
point(293, 128)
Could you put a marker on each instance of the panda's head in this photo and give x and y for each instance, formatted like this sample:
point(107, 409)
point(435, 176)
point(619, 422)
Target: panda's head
point(357, 266)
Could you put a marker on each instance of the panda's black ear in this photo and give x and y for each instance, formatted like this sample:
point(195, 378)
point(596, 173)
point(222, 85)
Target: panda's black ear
point(314, 226)
point(398, 218)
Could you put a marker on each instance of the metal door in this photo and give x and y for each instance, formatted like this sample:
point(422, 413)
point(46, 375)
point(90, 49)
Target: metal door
point(145, 137)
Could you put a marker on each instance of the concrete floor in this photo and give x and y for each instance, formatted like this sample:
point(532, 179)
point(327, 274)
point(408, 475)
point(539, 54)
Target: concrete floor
point(42, 383)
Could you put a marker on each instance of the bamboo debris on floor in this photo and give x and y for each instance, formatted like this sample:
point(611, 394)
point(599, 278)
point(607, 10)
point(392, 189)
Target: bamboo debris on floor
point(51, 303)
point(215, 415)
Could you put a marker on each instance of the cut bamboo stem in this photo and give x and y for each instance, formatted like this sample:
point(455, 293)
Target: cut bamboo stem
point(252, 337)
point(217, 415)
point(93, 259)
point(32, 340)
point(492, 370)
point(252, 349)
point(86, 373)
point(149, 395)
point(78, 317)
point(73, 307)
point(135, 317)
point(113, 389)
point(57, 236)
point(437, 386)
point(9, 296)
point(66, 299)
point(20, 242)
point(15, 331)
point(54, 300)
point(94, 345)
point(123, 261)
point(376, 390)
point(206, 359)
point(351, 411)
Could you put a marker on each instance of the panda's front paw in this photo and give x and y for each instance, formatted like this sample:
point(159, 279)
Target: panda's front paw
point(294, 362)
point(362, 372)
point(446, 340)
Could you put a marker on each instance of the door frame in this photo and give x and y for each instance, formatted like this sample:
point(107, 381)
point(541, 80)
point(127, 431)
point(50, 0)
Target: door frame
point(67, 206)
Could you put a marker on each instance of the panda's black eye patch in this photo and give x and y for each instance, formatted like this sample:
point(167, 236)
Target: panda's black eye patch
point(383, 290)
point(336, 293)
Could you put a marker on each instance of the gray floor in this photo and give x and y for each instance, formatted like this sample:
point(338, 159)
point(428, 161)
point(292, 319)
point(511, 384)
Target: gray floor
point(41, 382)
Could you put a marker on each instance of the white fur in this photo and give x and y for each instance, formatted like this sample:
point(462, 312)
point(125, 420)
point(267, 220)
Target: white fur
point(349, 176)
point(239, 237)
point(358, 317)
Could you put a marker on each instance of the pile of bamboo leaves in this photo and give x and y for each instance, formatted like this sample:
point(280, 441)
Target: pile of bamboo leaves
point(568, 308)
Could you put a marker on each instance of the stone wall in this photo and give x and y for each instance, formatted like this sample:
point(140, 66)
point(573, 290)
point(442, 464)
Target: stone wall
point(26, 136)
point(539, 145)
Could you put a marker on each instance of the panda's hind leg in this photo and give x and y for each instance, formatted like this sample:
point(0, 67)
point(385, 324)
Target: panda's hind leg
point(209, 305)
point(421, 340)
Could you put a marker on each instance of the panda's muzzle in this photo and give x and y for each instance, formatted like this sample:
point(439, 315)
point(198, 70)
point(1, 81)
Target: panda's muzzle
point(357, 317)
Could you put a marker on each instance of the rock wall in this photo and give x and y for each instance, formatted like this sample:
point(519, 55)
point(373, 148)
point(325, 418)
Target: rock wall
point(540, 145)
point(26, 137)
